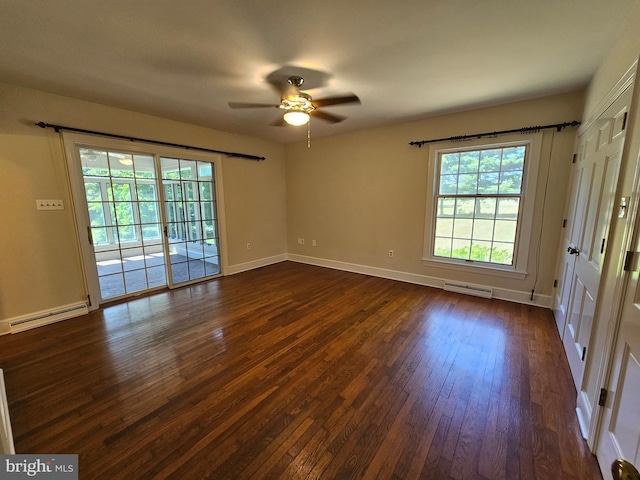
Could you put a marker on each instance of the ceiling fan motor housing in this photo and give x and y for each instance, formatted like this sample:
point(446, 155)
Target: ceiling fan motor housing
point(295, 81)
point(298, 101)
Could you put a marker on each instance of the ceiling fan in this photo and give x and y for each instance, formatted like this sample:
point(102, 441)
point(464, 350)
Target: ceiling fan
point(298, 106)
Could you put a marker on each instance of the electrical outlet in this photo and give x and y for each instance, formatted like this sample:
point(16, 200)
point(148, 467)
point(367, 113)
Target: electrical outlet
point(300, 241)
point(313, 243)
point(390, 253)
point(248, 246)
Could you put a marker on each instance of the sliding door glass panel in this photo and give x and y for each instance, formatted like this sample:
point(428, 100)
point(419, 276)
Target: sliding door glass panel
point(125, 221)
point(190, 211)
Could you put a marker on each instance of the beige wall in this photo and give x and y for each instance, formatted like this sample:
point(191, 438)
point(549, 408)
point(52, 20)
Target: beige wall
point(39, 258)
point(358, 195)
point(361, 194)
point(624, 52)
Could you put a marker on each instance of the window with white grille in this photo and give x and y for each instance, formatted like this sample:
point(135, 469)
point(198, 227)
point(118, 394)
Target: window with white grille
point(480, 205)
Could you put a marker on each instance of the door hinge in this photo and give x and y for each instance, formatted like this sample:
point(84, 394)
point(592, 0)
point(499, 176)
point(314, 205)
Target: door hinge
point(555, 284)
point(575, 157)
point(584, 353)
point(166, 231)
point(89, 235)
point(602, 400)
point(624, 121)
point(89, 299)
point(564, 223)
point(602, 246)
point(628, 261)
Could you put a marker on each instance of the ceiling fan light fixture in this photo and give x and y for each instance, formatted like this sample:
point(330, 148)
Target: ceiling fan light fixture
point(296, 117)
point(298, 106)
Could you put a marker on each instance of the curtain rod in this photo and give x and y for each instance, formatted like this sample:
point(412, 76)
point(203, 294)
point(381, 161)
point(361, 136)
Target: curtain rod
point(57, 128)
point(523, 130)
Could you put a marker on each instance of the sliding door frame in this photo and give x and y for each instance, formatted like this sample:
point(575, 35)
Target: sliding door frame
point(73, 141)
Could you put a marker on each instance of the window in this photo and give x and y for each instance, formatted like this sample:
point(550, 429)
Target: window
point(478, 212)
point(121, 209)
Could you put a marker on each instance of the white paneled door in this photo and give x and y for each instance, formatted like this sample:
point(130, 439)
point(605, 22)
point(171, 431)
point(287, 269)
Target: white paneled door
point(573, 224)
point(594, 183)
point(620, 429)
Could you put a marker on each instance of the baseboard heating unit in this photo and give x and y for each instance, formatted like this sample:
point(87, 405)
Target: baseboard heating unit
point(475, 290)
point(6, 435)
point(20, 324)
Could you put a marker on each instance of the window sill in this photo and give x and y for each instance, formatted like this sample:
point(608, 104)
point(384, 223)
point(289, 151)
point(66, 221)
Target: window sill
point(475, 268)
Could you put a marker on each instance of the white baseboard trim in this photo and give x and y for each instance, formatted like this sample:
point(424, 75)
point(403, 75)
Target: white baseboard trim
point(584, 423)
point(584, 411)
point(498, 293)
point(261, 262)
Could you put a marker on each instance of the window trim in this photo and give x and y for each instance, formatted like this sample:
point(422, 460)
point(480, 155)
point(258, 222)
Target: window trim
point(519, 269)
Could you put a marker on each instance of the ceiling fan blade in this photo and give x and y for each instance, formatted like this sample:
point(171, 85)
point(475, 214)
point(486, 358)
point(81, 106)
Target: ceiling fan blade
point(327, 117)
point(278, 122)
point(324, 102)
point(252, 105)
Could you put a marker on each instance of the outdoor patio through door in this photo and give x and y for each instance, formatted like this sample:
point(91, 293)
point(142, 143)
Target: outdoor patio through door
point(139, 246)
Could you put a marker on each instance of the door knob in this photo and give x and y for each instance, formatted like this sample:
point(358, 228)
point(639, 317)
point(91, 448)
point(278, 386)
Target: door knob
point(623, 470)
point(573, 251)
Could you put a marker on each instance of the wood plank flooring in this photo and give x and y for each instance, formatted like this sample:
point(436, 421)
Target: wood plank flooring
point(299, 372)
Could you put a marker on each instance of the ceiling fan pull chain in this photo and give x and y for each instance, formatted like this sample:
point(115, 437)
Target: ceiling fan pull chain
point(308, 134)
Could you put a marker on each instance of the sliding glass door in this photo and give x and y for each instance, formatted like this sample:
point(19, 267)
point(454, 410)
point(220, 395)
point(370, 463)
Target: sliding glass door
point(152, 220)
point(191, 220)
point(122, 201)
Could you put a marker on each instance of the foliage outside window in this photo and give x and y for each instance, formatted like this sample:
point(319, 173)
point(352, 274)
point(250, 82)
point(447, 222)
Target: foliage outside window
point(479, 195)
point(121, 197)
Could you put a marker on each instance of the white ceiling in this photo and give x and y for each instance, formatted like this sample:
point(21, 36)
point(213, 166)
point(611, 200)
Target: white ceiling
point(405, 59)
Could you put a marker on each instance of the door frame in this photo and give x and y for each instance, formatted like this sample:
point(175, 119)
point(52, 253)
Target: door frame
point(72, 141)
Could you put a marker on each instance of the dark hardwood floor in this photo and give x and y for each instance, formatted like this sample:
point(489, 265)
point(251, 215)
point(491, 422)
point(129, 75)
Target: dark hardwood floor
point(298, 372)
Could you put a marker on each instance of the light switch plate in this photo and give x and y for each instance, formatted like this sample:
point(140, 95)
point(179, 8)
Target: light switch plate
point(50, 204)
